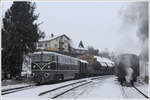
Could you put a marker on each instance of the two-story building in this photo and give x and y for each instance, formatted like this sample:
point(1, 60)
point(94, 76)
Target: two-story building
point(55, 43)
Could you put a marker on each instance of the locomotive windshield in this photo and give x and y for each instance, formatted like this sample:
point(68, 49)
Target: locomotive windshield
point(43, 61)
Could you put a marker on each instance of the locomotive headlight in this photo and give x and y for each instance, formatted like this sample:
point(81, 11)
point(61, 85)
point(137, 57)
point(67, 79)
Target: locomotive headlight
point(49, 67)
point(34, 66)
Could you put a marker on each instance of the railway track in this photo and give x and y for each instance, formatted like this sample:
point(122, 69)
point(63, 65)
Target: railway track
point(141, 92)
point(129, 92)
point(12, 90)
point(63, 88)
point(56, 92)
point(78, 85)
point(70, 90)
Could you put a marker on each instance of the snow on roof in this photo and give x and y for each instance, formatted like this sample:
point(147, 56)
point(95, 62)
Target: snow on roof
point(110, 64)
point(44, 52)
point(42, 48)
point(48, 52)
point(103, 64)
point(104, 60)
point(79, 48)
point(83, 61)
point(51, 38)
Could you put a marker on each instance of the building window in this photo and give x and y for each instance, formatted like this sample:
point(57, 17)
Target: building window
point(39, 45)
point(55, 45)
point(65, 46)
point(45, 44)
point(57, 39)
point(65, 41)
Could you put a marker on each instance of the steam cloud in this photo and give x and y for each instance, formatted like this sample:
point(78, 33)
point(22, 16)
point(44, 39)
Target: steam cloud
point(137, 14)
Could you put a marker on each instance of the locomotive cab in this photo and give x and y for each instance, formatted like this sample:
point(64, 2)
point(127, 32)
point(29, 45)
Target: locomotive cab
point(42, 64)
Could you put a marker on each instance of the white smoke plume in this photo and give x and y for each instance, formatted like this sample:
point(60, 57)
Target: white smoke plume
point(136, 14)
point(129, 76)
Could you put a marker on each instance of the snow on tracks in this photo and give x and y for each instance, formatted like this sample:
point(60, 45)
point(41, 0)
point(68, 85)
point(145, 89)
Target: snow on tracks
point(56, 92)
point(34, 92)
point(16, 89)
point(133, 92)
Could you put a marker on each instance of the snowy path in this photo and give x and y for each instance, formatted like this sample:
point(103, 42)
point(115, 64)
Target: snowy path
point(15, 86)
point(34, 92)
point(105, 87)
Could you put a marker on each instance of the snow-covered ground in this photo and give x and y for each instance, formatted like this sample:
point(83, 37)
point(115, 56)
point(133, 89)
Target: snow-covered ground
point(14, 86)
point(103, 87)
point(130, 92)
point(143, 87)
point(34, 92)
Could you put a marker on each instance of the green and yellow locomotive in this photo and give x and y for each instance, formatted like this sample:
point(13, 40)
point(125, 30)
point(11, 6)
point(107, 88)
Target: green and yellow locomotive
point(51, 66)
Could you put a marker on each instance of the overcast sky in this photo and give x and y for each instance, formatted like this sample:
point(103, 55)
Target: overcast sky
point(97, 24)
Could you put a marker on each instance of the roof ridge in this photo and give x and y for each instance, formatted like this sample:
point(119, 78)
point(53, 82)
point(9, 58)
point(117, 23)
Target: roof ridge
point(49, 38)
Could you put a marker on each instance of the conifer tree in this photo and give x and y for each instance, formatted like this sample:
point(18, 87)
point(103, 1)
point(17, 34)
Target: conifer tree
point(20, 33)
point(81, 44)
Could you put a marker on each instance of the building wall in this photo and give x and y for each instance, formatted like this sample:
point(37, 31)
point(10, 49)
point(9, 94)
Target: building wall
point(55, 43)
point(143, 68)
point(144, 71)
point(80, 51)
point(66, 42)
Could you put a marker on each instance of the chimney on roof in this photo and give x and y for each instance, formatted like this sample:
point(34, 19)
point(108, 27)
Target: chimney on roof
point(52, 35)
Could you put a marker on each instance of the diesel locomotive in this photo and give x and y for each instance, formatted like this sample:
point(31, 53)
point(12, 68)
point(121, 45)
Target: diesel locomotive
point(51, 66)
